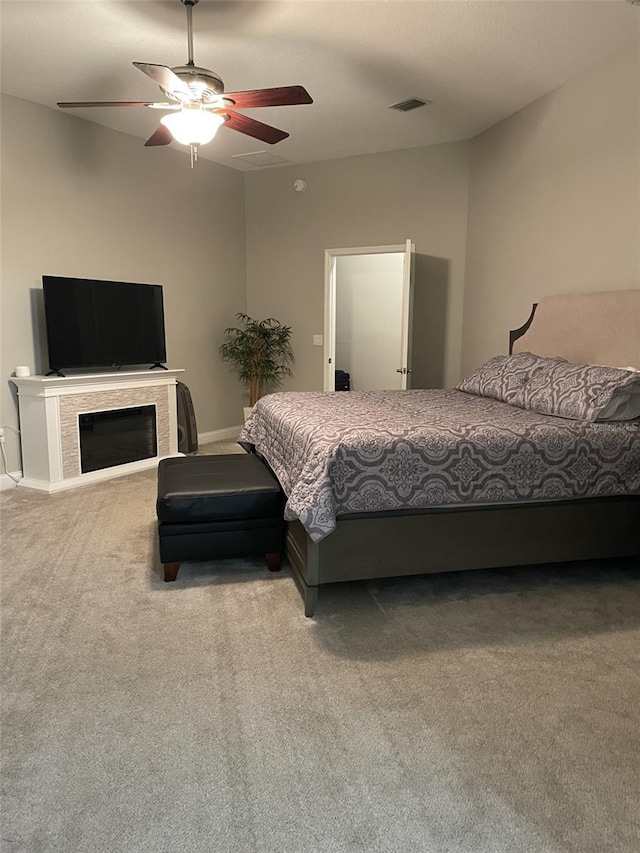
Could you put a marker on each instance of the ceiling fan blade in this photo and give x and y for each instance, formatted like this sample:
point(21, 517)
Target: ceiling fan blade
point(165, 78)
point(280, 97)
point(251, 127)
point(74, 104)
point(162, 136)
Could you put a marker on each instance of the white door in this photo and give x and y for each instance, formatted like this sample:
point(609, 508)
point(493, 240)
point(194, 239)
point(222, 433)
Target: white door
point(368, 316)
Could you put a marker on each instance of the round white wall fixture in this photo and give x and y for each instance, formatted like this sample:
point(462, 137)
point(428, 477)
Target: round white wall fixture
point(299, 185)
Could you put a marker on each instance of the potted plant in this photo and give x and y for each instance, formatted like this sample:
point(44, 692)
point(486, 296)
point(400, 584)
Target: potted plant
point(260, 351)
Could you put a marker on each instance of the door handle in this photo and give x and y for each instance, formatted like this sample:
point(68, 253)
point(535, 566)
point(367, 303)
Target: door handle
point(400, 370)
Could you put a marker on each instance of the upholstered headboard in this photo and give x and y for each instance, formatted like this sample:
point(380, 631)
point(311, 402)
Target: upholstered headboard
point(586, 328)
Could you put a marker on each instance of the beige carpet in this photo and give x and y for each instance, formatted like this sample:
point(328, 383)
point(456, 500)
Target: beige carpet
point(482, 711)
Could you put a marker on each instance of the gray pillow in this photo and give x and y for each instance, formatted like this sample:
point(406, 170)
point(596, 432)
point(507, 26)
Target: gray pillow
point(504, 377)
point(623, 406)
point(583, 392)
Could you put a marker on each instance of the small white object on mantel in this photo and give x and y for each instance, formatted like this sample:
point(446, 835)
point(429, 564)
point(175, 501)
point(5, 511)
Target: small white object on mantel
point(50, 407)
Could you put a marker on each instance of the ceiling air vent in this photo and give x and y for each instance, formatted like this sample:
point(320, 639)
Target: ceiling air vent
point(261, 158)
point(409, 104)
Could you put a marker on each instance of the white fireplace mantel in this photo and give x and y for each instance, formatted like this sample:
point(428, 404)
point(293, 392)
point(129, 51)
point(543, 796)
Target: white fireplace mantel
point(50, 407)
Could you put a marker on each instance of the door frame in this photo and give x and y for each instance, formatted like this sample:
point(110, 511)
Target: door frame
point(330, 255)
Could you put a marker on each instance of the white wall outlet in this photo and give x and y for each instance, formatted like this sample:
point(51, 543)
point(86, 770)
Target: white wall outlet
point(317, 340)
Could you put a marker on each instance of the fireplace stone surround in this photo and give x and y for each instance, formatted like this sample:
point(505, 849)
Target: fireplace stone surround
point(50, 408)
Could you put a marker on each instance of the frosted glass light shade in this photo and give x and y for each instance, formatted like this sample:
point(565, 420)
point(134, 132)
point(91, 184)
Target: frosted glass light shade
point(193, 125)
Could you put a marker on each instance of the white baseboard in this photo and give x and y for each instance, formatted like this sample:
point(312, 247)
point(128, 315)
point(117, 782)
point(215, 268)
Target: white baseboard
point(7, 483)
point(227, 434)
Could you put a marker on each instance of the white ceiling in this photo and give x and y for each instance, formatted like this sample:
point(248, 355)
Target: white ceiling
point(477, 61)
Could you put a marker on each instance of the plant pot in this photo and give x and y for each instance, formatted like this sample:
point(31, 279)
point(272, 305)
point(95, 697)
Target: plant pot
point(247, 411)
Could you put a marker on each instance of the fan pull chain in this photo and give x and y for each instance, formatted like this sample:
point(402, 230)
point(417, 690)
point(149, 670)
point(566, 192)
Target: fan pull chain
point(194, 154)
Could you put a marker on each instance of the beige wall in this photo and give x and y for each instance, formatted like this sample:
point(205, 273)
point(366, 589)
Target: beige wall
point(81, 200)
point(554, 203)
point(552, 196)
point(380, 199)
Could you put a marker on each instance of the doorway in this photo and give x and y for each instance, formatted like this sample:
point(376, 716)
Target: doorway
point(368, 317)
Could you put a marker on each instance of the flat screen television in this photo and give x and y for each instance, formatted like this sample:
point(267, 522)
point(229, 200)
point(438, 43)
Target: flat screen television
point(92, 323)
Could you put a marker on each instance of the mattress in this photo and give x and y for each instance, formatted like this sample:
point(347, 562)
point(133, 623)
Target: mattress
point(374, 451)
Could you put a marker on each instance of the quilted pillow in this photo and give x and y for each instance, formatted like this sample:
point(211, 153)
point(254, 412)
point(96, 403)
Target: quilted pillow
point(583, 392)
point(504, 377)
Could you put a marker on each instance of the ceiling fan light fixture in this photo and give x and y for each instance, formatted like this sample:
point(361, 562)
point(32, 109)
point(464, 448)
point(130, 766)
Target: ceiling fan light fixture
point(199, 105)
point(192, 125)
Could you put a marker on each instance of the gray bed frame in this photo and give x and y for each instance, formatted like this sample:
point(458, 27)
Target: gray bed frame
point(416, 542)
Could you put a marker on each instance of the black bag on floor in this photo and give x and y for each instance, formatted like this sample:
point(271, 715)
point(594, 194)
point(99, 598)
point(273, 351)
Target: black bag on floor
point(343, 381)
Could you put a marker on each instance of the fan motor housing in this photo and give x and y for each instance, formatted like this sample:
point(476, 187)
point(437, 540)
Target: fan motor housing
point(205, 85)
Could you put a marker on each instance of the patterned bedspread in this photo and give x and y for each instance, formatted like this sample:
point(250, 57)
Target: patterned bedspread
point(336, 453)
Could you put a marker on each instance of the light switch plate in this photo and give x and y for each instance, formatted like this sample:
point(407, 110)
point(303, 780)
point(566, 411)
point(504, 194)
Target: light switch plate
point(317, 340)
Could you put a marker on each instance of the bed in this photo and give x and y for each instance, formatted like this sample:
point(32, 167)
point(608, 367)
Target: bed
point(384, 484)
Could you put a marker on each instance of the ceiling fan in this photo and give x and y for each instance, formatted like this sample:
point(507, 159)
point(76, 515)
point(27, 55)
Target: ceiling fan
point(198, 104)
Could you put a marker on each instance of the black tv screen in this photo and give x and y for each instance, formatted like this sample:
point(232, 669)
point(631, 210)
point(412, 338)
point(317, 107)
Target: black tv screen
point(93, 323)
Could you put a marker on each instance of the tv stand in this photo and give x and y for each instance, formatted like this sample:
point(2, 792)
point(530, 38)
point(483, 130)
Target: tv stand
point(52, 409)
point(55, 372)
point(157, 364)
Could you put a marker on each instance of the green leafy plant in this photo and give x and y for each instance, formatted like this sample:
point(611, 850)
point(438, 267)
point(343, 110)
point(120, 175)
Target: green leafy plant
point(261, 353)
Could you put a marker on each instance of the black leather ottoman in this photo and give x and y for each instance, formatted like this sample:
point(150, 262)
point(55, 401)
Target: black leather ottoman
point(218, 506)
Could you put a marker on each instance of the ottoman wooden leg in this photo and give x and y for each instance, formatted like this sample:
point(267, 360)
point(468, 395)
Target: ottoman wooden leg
point(170, 571)
point(274, 561)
